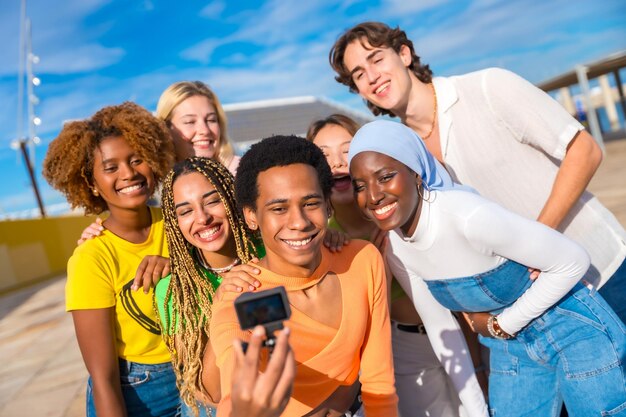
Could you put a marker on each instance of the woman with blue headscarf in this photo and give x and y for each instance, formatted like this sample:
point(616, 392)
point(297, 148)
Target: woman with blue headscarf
point(551, 339)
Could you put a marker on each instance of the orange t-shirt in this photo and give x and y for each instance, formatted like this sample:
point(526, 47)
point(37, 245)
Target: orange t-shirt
point(326, 357)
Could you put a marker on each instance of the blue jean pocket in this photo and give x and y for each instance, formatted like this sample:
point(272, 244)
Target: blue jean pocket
point(582, 342)
point(617, 411)
point(501, 361)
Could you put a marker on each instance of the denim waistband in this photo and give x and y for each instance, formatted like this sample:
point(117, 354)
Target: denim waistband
point(129, 366)
point(491, 291)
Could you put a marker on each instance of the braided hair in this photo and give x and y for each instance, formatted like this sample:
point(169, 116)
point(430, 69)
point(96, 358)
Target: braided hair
point(191, 293)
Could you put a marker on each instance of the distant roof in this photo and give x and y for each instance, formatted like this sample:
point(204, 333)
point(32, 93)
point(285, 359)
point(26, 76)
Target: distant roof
point(595, 69)
point(251, 121)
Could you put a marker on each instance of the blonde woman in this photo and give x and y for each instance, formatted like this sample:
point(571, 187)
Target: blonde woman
point(197, 122)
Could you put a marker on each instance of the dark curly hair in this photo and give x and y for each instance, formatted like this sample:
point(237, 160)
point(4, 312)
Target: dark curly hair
point(278, 151)
point(378, 35)
point(69, 162)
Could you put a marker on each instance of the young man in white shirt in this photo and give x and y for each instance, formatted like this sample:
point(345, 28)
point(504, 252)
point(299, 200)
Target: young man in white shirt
point(499, 134)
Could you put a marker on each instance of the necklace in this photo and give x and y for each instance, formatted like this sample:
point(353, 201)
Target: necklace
point(225, 268)
point(221, 270)
point(432, 125)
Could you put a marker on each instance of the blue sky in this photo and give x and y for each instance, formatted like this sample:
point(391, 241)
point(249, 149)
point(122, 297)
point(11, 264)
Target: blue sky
point(100, 52)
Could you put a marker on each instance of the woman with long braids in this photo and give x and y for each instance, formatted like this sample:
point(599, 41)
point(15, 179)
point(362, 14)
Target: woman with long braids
point(206, 237)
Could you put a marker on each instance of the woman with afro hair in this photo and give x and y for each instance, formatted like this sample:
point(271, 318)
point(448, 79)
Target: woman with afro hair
point(113, 161)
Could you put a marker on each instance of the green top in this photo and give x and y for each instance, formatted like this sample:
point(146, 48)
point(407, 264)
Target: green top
point(396, 290)
point(160, 291)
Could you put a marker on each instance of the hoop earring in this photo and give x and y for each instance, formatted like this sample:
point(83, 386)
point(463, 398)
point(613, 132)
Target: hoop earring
point(420, 193)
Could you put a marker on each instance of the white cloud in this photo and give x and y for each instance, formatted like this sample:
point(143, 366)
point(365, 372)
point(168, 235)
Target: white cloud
point(202, 51)
point(82, 58)
point(400, 8)
point(59, 36)
point(213, 10)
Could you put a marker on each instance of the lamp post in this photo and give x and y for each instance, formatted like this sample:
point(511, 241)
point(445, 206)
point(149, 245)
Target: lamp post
point(27, 60)
point(21, 144)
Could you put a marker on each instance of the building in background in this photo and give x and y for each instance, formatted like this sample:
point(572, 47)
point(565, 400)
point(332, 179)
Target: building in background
point(252, 121)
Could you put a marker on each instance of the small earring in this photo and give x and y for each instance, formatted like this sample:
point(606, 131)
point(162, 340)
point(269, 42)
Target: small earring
point(95, 192)
point(252, 226)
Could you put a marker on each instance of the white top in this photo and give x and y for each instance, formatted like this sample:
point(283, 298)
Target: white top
point(460, 234)
point(505, 137)
point(234, 164)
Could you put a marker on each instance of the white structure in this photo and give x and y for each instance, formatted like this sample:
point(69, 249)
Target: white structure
point(252, 121)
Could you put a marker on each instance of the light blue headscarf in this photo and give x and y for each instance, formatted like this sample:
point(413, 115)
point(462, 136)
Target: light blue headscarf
point(404, 145)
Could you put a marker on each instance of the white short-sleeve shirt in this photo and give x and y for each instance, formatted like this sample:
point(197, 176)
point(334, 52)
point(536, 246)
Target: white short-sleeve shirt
point(506, 138)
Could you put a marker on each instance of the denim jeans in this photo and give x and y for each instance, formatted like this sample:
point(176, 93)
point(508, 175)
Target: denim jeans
point(187, 411)
point(614, 292)
point(148, 390)
point(574, 352)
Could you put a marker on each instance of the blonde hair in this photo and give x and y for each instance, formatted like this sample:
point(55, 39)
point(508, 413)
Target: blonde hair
point(181, 91)
point(190, 291)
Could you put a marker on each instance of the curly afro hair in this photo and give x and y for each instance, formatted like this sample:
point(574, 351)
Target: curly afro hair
point(277, 151)
point(69, 162)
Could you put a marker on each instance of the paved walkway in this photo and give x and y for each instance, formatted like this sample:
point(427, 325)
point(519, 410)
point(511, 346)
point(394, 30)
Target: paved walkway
point(42, 373)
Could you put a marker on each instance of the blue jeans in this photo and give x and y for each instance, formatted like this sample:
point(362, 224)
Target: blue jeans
point(148, 390)
point(187, 411)
point(614, 292)
point(574, 352)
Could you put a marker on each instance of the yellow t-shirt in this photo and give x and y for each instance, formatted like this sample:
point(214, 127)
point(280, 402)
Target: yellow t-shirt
point(99, 275)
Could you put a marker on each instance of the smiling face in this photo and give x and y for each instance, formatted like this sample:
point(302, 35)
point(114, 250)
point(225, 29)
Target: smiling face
point(201, 215)
point(195, 128)
point(334, 141)
point(122, 178)
point(380, 74)
point(386, 191)
point(291, 214)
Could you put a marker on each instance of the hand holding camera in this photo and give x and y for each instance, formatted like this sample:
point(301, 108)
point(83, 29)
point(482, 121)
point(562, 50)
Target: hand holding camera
point(269, 308)
point(264, 394)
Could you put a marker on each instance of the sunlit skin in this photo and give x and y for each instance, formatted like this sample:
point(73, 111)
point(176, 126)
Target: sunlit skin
point(291, 213)
point(386, 191)
point(380, 73)
point(126, 182)
point(202, 218)
point(334, 141)
point(195, 128)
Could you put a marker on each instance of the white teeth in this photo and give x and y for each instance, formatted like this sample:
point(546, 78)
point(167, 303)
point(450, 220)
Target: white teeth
point(205, 234)
point(127, 190)
point(385, 209)
point(203, 142)
point(382, 88)
point(298, 242)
